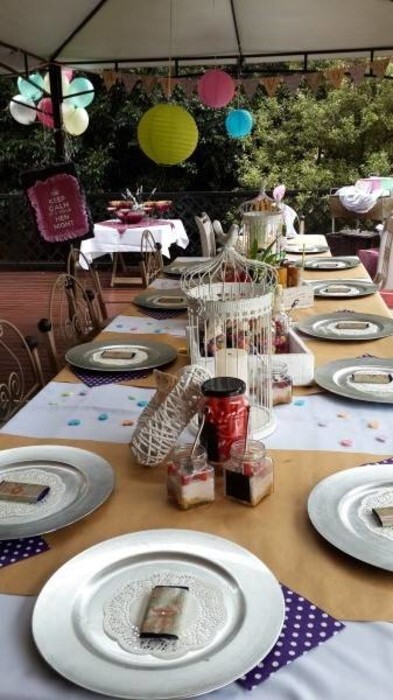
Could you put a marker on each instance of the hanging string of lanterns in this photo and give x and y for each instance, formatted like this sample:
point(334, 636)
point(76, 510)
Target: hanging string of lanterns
point(34, 102)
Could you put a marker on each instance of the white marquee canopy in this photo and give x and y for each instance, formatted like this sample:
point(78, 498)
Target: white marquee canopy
point(111, 33)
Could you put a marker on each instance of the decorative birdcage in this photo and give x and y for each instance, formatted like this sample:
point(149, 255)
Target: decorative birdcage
point(262, 225)
point(230, 326)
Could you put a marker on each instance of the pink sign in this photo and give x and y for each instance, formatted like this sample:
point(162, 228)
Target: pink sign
point(60, 208)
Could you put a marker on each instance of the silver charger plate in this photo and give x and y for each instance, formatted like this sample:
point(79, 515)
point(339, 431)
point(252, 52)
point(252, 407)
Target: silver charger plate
point(164, 299)
point(344, 262)
point(342, 288)
point(333, 508)
point(87, 478)
point(68, 616)
point(307, 250)
point(337, 377)
point(325, 326)
point(144, 355)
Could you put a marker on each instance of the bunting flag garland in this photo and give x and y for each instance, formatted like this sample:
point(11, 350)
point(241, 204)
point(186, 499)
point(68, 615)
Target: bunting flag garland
point(334, 76)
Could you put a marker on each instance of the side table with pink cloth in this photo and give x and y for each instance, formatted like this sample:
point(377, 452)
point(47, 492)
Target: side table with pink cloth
point(369, 258)
point(113, 237)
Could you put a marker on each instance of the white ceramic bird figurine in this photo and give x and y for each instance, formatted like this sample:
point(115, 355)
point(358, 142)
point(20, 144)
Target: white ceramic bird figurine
point(227, 240)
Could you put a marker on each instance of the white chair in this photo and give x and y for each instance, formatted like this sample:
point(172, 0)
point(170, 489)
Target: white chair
point(206, 235)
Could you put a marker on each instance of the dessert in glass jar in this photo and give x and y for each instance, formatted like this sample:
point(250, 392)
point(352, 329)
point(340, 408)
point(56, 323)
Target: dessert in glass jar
point(190, 478)
point(248, 474)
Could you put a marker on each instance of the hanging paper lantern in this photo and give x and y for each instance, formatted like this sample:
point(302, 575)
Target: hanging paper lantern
point(47, 82)
point(27, 89)
point(67, 110)
point(45, 116)
point(20, 108)
point(238, 123)
point(216, 88)
point(76, 120)
point(81, 85)
point(68, 73)
point(167, 134)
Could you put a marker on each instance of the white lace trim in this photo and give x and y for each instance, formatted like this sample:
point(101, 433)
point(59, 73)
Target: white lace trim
point(382, 498)
point(204, 614)
point(50, 502)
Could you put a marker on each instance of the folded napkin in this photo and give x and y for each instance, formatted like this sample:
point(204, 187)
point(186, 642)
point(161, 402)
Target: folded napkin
point(305, 627)
point(99, 378)
point(12, 551)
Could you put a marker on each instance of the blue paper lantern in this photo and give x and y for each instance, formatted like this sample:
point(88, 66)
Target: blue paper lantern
point(238, 123)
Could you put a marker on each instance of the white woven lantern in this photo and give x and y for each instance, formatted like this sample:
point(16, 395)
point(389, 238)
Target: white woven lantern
point(230, 326)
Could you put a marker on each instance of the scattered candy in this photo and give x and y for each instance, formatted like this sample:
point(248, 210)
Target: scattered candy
point(119, 325)
point(128, 422)
point(322, 424)
point(82, 393)
point(299, 402)
point(131, 398)
point(373, 424)
point(103, 416)
point(158, 330)
point(66, 393)
point(142, 404)
point(346, 442)
point(381, 438)
point(74, 421)
point(53, 403)
point(342, 415)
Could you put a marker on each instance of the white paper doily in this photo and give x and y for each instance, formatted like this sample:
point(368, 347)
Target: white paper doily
point(47, 505)
point(383, 498)
point(204, 614)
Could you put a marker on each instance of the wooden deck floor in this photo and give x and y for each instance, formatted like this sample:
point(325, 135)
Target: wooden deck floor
point(24, 299)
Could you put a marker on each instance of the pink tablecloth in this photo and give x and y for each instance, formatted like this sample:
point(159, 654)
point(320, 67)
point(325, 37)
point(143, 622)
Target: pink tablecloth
point(369, 258)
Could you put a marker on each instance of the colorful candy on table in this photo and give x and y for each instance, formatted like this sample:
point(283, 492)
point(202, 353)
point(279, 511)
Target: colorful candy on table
point(248, 474)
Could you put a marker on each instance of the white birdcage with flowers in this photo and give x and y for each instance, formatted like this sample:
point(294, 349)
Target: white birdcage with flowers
point(262, 225)
point(230, 303)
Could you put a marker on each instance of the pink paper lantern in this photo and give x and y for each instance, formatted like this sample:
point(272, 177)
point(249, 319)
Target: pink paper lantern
point(46, 115)
point(216, 88)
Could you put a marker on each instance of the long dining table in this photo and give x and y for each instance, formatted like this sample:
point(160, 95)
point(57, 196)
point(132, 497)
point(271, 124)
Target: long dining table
point(333, 434)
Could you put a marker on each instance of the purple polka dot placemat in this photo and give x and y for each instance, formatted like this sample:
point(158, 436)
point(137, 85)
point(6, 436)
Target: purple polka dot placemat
point(162, 315)
point(305, 627)
point(100, 378)
point(12, 551)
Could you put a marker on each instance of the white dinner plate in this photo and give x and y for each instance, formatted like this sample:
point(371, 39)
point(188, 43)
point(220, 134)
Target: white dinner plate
point(68, 619)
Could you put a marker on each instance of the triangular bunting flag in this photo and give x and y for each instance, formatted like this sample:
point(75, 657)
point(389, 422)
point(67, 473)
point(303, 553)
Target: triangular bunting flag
point(109, 78)
point(270, 84)
point(293, 81)
point(334, 76)
point(314, 80)
point(379, 66)
point(357, 71)
point(129, 81)
point(188, 85)
point(250, 86)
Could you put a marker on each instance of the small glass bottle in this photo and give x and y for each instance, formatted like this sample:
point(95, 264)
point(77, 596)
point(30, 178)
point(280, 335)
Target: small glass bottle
point(190, 479)
point(282, 384)
point(225, 409)
point(280, 324)
point(248, 474)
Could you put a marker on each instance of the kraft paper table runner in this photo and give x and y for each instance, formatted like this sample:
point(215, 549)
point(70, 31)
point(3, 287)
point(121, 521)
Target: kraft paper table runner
point(278, 531)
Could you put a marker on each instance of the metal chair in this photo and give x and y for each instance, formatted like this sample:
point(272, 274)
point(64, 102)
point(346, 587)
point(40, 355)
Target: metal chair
point(71, 319)
point(20, 370)
point(206, 234)
point(89, 279)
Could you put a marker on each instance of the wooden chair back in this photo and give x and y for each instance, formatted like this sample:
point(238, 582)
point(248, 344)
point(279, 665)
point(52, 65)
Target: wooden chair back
point(85, 272)
point(71, 319)
point(206, 235)
point(20, 370)
point(151, 258)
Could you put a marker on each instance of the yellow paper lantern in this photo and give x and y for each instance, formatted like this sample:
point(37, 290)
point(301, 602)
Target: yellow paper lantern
point(167, 134)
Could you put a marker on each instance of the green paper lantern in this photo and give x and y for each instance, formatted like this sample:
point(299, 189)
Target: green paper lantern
point(167, 134)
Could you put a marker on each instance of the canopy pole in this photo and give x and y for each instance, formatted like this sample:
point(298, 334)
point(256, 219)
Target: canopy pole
point(57, 99)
